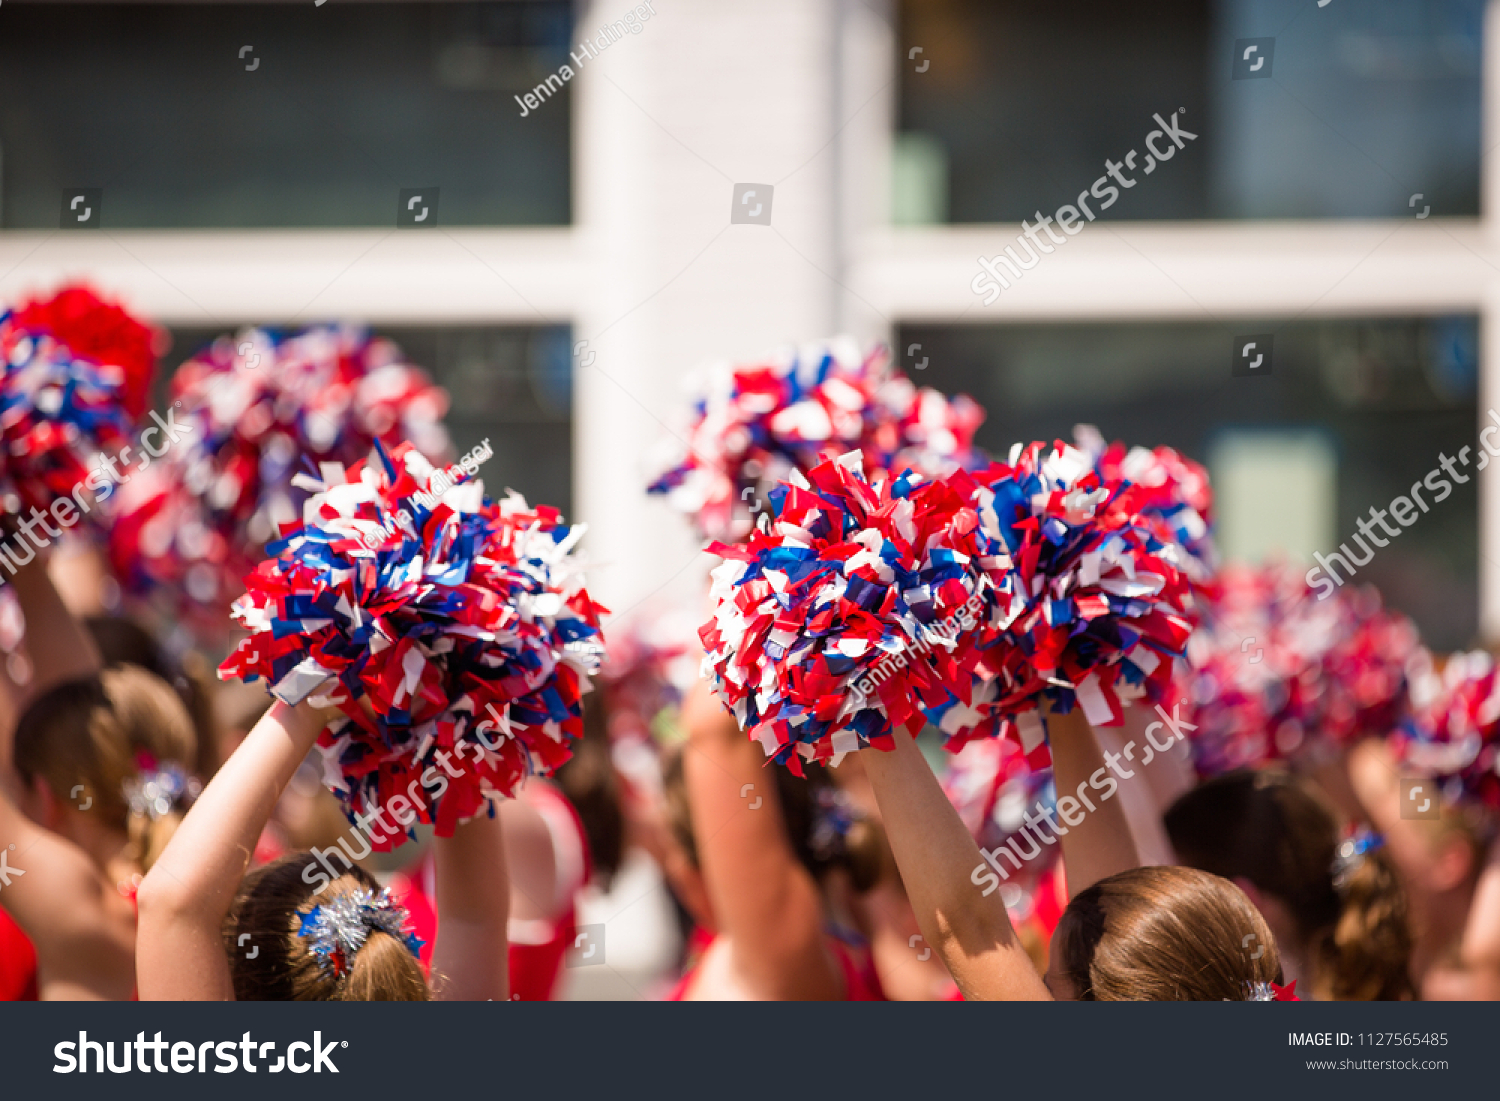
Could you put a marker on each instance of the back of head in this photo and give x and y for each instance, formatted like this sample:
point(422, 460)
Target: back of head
point(1165, 934)
point(123, 641)
point(125, 738)
point(1271, 829)
point(271, 910)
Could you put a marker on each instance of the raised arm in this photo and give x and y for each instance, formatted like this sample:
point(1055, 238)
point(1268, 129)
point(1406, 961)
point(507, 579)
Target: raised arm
point(1095, 832)
point(469, 959)
point(188, 893)
point(763, 899)
point(59, 646)
point(953, 892)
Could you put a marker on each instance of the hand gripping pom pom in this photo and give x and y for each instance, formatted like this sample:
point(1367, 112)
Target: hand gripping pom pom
point(1452, 730)
point(849, 610)
point(256, 410)
point(454, 634)
point(1092, 604)
point(756, 423)
point(76, 377)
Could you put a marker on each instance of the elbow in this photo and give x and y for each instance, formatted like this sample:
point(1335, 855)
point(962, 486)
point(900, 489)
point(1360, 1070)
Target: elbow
point(161, 899)
point(155, 899)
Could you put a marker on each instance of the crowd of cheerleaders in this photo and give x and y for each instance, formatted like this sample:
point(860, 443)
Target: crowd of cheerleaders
point(899, 579)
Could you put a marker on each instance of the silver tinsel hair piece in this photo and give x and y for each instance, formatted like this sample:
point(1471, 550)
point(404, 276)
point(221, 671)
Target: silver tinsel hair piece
point(338, 929)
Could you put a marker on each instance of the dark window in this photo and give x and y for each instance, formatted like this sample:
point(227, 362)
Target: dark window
point(1388, 396)
point(343, 106)
point(1364, 106)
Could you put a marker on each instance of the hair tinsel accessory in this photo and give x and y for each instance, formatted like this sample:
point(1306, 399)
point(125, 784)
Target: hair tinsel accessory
point(1271, 992)
point(337, 930)
point(158, 790)
point(1351, 854)
point(834, 815)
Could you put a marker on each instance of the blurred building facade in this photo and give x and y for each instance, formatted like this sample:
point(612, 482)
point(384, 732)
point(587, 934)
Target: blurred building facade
point(581, 260)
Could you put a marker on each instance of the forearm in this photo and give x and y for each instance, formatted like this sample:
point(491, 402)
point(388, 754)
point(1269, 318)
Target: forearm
point(943, 871)
point(470, 958)
point(201, 867)
point(60, 647)
point(763, 898)
point(1094, 830)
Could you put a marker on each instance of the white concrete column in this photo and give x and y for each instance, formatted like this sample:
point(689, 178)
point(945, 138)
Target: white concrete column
point(711, 93)
point(866, 119)
point(1489, 332)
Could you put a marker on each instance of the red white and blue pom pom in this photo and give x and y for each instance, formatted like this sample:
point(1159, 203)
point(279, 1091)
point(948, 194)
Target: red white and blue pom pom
point(76, 377)
point(258, 409)
point(1452, 732)
point(848, 611)
point(756, 423)
point(453, 632)
point(1275, 673)
point(1176, 497)
point(1093, 604)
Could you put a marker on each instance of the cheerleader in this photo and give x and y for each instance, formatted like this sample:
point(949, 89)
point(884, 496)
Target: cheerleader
point(1128, 933)
point(1451, 877)
point(290, 932)
point(779, 890)
point(100, 766)
point(1336, 906)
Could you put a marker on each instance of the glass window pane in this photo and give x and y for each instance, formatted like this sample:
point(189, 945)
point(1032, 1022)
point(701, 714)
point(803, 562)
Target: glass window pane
point(1343, 111)
point(1370, 405)
point(272, 114)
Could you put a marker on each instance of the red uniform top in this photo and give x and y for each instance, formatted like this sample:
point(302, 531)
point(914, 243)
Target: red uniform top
point(17, 963)
point(861, 983)
point(537, 948)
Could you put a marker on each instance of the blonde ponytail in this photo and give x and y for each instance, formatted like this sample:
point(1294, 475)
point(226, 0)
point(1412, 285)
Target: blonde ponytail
point(116, 746)
point(1365, 955)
